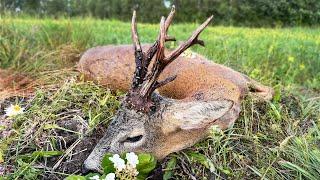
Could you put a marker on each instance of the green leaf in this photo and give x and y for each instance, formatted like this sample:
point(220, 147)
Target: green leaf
point(75, 177)
point(107, 164)
point(170, 166)
point(46, 153)
point(39, 154)
point(226, 170)
point(146, 164)
point(277, 93)
point(55, 126)
point(297, 168)
point(202, 159)
point(123, 156)
point(275, 110)
point(1, 157)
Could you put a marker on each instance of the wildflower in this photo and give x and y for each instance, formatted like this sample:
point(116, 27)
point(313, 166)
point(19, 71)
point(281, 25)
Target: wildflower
point(118, 163)
point(291, 59)
point(13, 110)
point(132, 159)
point(110, 176)
point(95, 177)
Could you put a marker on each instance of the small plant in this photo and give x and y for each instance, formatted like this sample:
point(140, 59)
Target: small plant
point(127, 166)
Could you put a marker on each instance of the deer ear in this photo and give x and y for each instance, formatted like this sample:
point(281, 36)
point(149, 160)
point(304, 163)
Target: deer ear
point(196, 115)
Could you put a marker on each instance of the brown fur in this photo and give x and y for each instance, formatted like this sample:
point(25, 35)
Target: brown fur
point(113, 67)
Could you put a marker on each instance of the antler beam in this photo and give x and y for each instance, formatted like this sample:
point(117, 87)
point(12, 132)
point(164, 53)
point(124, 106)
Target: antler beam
point(153, 49)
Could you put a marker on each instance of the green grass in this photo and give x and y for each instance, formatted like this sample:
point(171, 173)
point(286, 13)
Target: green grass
point(271, 140)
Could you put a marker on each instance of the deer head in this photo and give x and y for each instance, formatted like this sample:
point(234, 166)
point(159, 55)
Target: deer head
point(148, 122)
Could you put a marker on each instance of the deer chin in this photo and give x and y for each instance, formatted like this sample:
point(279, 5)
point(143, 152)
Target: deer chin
point(93, 162)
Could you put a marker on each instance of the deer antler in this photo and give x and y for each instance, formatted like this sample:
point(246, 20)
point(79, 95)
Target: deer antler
point(143, 59)
point(139, 96)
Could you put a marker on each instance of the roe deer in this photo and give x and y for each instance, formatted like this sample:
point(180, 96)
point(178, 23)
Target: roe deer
point(200, 94)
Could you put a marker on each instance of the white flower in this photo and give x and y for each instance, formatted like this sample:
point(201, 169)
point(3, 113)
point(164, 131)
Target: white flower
point(118, 163)
point(95, 177)
point(132, 159)
point(13, 110)
point(110, 176)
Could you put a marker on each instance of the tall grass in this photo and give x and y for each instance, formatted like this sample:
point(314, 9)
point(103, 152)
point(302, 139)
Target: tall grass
point(275, 56)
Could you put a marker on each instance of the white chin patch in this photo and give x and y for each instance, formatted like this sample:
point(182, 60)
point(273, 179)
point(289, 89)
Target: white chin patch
point(92, 165)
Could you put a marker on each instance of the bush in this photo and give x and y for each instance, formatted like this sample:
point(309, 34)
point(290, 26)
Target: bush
point(240, 13)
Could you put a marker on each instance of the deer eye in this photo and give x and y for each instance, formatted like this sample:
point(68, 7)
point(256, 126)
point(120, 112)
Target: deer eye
point(133, 139)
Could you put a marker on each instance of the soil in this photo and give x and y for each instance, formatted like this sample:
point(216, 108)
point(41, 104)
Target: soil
point(72, 163)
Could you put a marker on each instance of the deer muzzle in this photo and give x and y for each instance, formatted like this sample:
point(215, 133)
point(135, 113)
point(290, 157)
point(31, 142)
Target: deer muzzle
point(93, 162)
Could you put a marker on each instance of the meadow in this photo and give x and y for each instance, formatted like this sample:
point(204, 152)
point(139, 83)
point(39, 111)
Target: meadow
point(279, 139)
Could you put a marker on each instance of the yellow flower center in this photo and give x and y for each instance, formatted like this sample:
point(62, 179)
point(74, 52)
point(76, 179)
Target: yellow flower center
point(16, 108)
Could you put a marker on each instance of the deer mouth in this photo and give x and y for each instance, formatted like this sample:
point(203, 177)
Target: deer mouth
point(93, 162)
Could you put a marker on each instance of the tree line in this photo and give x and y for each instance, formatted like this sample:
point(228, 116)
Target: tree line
point(226, 12)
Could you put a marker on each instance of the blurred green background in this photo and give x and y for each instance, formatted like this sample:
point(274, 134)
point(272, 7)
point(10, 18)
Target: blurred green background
point(253, 13)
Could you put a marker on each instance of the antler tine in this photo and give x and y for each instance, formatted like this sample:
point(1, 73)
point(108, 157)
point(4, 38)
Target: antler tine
point(162, 39)
point(134, 33)
point(141, 66)
point(153, 49)
point(170, 17)
point(191, 41)
point(158, 66)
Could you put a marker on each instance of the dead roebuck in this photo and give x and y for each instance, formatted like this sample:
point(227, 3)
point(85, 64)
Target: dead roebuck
point(193, 94)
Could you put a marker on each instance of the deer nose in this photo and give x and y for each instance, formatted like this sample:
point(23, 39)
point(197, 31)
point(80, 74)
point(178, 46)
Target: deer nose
point(84, 170)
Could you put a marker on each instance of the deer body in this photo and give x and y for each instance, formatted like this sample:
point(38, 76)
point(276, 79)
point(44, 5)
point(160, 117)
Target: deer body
point(197, 77)
point(200, 94)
